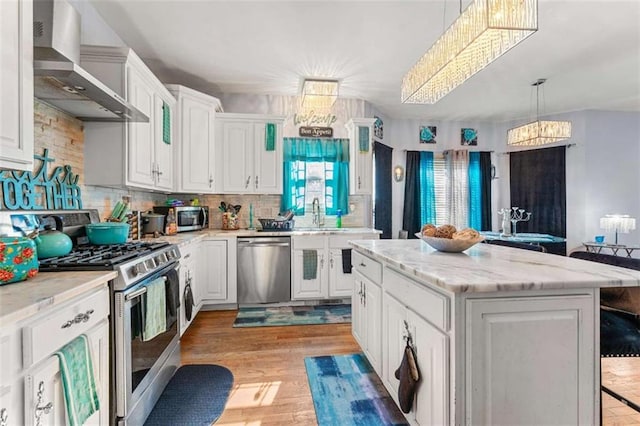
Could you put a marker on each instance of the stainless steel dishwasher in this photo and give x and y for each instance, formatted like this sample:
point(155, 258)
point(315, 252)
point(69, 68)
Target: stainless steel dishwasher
point(264, 269)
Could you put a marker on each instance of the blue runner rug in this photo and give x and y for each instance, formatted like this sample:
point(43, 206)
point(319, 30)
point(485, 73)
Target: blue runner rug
point(292, 315)
point(195, 395)
point(347, 391)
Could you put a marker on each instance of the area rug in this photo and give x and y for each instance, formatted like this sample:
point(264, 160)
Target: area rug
point(347, 391)
point(195, 395)
point(292, 315)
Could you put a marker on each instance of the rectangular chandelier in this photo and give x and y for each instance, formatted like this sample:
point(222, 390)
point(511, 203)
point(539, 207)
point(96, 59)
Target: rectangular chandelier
point(319, 94)
point(483, 32)
point(539, 133)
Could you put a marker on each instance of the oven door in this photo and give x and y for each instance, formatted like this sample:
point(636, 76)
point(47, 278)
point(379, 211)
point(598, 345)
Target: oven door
point(139, 361)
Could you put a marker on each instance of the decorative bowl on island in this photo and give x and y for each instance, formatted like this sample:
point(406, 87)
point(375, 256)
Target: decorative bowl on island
point(449, 245)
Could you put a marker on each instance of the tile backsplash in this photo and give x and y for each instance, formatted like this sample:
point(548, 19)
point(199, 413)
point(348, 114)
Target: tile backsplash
point(63, 135)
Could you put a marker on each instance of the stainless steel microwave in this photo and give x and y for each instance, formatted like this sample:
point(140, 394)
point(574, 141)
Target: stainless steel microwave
point(188, 218)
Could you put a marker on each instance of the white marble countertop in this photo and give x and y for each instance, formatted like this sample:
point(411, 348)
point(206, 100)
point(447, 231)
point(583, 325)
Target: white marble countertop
point(487, 268)
point(22, 299)
point(184, 238)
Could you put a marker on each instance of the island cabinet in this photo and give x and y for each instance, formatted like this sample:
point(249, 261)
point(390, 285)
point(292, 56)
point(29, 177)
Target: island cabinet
point(332, 279)
point(195, 153)
point(500, 335)
point(38, 321)
point(133, 154)
point(248, 163)
point(360, 131)
point(16, 84)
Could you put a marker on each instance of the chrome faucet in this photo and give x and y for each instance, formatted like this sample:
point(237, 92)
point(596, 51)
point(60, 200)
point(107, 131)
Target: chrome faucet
point(315, 210)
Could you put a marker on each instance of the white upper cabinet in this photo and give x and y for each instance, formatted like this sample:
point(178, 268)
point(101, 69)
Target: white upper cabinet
point(16, 84)
point(195, 153)
point(360, 131)
point(247, 165)
point(134, 154)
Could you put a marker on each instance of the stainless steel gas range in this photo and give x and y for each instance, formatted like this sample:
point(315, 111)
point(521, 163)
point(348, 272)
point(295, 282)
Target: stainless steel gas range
point(140, 368)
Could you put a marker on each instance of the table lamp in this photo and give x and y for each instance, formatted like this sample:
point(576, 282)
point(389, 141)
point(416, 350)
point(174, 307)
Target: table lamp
point(618, 223)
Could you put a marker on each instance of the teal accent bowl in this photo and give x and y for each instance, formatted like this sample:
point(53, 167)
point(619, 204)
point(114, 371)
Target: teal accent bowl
point(18, 259)
point(107, 232)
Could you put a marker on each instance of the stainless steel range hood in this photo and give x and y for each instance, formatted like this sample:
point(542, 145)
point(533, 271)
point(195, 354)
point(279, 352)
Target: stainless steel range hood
point(59, 80)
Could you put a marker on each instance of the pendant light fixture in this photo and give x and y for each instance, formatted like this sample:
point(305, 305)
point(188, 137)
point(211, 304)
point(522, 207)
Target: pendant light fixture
point(539, 132)
point(319, 95)
point(481, 34)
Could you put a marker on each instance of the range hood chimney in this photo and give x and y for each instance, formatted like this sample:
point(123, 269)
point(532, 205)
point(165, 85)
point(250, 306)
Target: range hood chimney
point(59, 80)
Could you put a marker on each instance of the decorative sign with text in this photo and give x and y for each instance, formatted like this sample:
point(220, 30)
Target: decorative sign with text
point(316, 132)
point(313, 119)
point(40, 190)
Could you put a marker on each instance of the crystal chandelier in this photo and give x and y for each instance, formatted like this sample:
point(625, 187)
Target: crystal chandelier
point(482, 33)
point(539, 132)
point(319, 95)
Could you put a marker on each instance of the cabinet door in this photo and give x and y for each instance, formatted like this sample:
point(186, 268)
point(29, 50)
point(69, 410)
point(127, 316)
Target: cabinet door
point(16, 84)
point(432, 355)
point(44, 395)
point(554, 338)
point(141, 144)
point(314, 288)
point(163, 152)
point(196, 145)
point(11, 405)
point(357, 310)
point(361, 161)
point(340, 284)
point(215, 271)
point(373, 324)
point(237, 157)
point(394, 317)
point(267, 164)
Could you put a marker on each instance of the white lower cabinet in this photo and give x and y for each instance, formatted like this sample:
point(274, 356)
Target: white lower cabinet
point(330, 279)
point(44, 395)
point(219, 275)
point(366, 305)
point(190, 284)
point(11, 407)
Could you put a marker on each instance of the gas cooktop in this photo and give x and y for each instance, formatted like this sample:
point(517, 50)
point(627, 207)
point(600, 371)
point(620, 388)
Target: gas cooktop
point(97, 257)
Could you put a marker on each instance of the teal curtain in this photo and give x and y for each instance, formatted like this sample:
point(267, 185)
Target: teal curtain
point(335, 154)
point(475, 191)
point(427, 188)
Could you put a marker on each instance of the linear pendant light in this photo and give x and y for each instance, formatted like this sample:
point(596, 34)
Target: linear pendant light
point(318, 94)
point(539, 132)
point(484, 31)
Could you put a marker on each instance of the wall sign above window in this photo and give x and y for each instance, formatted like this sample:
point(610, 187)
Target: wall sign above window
point(40, 190)
point(311, 118)
point(315, 132)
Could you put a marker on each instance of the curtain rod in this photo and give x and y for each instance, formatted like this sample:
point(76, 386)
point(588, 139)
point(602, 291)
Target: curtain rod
point(405, 150)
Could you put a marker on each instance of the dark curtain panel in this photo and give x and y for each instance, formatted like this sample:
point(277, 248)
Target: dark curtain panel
point(382, 203)
point(485, 188)
point(538, 185)
point(411, 215)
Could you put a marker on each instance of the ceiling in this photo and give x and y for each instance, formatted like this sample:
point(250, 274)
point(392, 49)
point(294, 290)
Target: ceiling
point(589, 51)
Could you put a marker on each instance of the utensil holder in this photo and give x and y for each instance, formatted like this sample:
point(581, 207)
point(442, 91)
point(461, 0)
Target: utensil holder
point(230, 221)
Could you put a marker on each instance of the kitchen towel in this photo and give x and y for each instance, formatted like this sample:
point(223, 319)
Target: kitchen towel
point(78, 383)
point(270, 137)
point(155, 309)
point(172, 295)
point(346, 261)
point(166, 123)
point(309, 264)
point(363, 139)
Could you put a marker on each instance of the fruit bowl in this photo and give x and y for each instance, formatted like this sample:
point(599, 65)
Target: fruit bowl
point(449, 245)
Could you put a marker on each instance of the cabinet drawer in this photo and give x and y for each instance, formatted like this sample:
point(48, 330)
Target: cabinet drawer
point(317, 243)
point(367, 266)
point(53, 330)
point(432, 306)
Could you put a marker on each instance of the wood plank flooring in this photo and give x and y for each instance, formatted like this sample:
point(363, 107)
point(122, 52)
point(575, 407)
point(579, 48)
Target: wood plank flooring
point(271, 383)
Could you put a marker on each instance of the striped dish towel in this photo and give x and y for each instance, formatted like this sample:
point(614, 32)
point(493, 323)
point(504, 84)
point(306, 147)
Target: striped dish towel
point(309, 264)
point(78, 383)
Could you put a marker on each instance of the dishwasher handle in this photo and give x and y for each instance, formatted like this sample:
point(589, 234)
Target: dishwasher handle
point(264, 241)
point(263, 244)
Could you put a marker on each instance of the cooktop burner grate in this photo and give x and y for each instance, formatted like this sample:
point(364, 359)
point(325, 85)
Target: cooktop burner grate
point(99, 257)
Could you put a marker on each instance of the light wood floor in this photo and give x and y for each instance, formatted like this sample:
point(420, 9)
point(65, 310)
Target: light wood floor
point(271, 386)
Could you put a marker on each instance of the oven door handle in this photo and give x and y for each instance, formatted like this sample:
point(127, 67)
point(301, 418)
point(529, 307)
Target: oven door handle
point(138, 292)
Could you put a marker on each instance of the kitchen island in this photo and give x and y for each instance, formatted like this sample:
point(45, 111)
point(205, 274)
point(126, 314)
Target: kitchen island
point(501, 335)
